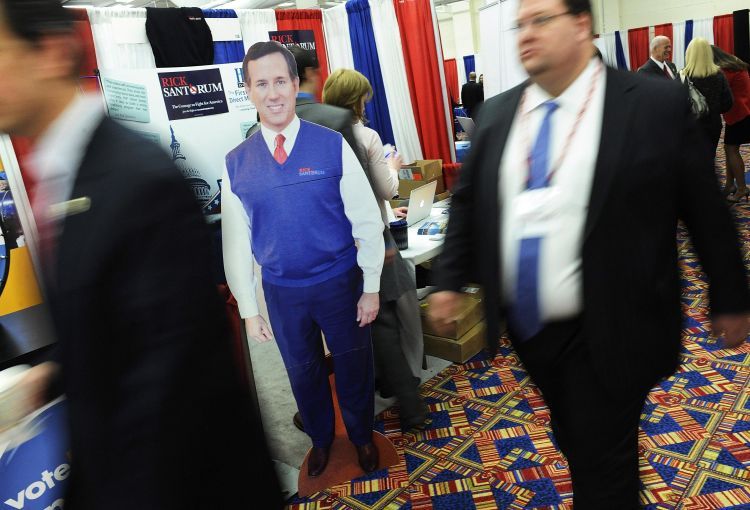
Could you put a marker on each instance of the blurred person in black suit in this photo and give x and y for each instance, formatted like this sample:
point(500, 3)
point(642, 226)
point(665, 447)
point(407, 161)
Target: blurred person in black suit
point(576, 248)
point(158, 416)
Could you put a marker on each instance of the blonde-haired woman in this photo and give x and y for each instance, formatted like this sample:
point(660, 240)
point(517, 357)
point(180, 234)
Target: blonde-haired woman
point(396, 332)
point(710, 81)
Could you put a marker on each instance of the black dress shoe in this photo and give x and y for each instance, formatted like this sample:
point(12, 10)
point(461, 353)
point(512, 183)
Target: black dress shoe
point(317, 461)
point(368, 457)
point(297, 420)
point(418, 420)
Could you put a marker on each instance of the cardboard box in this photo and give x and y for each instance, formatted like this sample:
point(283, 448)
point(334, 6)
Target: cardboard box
point(470, 313)
point(424, 169)
point(405, 186)
point(442, 196)
point(458, 351)
point(421, 172)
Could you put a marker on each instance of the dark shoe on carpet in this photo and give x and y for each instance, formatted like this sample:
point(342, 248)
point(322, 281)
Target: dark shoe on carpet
point(297, 420)
point(419, 423)
point(368, 457)
point(318, 461)
point(729, 190)
point(416, 421)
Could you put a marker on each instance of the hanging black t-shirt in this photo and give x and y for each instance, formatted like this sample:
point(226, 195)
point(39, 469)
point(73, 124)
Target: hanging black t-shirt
point(179, 37)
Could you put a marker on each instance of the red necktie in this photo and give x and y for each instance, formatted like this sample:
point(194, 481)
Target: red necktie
point(666, 71)
point(279, 154)
point(46, 229)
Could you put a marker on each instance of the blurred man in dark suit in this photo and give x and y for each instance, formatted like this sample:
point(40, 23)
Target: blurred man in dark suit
point(567, 213)
point(158, 417)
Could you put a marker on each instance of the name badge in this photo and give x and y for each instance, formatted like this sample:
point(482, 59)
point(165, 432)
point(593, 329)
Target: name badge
point(69, 208)
point(537, 212)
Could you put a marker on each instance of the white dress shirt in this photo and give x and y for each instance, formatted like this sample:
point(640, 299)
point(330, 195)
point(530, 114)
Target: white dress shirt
point(58, 153)
point(560, 277)
point(359, 207)
point(663, 65)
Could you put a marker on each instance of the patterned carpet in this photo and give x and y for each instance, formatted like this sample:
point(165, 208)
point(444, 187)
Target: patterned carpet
point(490, 446)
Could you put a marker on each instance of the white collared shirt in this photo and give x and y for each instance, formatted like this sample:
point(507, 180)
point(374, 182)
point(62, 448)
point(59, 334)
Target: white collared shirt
point(289, 133)
point(560, 271)
point(663, 65)
point(58, 154)
point(360, 208)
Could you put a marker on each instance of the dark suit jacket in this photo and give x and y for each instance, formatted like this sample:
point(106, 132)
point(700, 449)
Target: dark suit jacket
point(642, 186)
point(652, 68)
point(158, 417)
point(472, 96)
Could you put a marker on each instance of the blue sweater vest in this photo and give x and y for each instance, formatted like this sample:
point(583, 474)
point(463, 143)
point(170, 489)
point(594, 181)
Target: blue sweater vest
point(300, 234)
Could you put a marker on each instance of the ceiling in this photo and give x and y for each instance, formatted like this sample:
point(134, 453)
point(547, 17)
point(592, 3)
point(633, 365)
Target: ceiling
point(237, 4)
point(229, 4)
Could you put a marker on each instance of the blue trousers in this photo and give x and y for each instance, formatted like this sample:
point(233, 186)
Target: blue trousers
point(298, 315)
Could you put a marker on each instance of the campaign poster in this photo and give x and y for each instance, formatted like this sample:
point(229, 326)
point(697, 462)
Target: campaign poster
point(34, 461)
point(189, 94)
point(196, 114)
point(24, 319)
point(302, 38)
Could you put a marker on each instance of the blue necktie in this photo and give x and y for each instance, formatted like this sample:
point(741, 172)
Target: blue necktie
point(524, 314)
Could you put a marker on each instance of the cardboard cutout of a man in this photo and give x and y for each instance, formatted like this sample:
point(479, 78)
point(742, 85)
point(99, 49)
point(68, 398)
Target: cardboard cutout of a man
point(296, 198)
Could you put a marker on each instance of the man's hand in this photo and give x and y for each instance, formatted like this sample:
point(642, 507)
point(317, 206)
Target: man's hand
point(734, 328)
point(443, 309)
point(395, 162)
point(34, 384)
point(367, 308)
point(400, 212)
point(257, 329)
point(390, 255)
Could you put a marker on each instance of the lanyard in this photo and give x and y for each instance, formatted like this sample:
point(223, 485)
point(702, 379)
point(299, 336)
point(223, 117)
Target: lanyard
point(527, 139)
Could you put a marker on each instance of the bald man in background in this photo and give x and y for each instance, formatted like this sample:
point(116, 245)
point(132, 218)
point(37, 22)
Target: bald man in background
point(660, 64)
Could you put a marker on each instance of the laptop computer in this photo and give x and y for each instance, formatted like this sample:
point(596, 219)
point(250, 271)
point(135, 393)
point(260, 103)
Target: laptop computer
point(420, 202)
point(467, 123)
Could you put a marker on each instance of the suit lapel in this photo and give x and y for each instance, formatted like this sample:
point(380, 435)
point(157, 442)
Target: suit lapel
point(616, 117)
point(93, 166)
point(497, 136)
point(494, 139)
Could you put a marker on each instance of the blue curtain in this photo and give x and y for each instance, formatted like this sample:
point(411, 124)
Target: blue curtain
point(469, 65)
point(688, 32)
point(225, 52)
point(621, 62)
point(366, 61)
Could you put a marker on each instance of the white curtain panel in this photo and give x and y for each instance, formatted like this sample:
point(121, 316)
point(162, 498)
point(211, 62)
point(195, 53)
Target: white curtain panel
point(606, 44)
point(338, 43)
point(120, 38)
point(511, 70)
point(489, 34)
point(248, 4)
point(678, 45)
point(441, 71)
point(255, 25)
point(393, 68)
point(704, 28)
point(461, 72)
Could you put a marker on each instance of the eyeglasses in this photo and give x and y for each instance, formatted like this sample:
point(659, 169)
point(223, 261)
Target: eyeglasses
point(537, 21)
